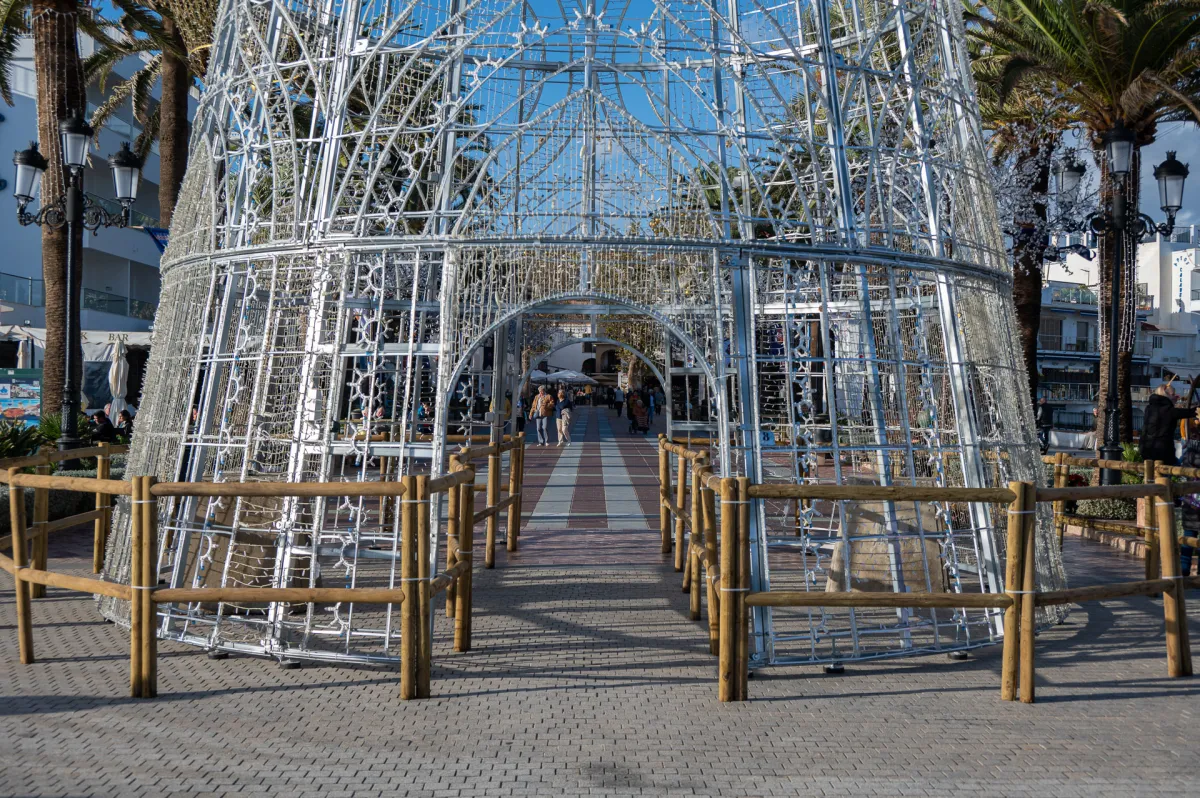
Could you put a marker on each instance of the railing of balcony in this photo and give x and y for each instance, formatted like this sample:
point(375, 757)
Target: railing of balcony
point(1185, 235)
point(1068, 392)
point(105, 302)
point(1057, 343)
point(22, 290)
point(142, 310)
point(1075, 295)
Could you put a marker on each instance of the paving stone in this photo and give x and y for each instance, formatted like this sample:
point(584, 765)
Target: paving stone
point(587, 678)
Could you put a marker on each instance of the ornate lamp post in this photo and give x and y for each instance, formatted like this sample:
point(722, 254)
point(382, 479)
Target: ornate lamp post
point(73, 210)
point(1119, 144)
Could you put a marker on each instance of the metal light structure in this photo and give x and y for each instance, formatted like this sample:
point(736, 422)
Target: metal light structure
point(785, 210)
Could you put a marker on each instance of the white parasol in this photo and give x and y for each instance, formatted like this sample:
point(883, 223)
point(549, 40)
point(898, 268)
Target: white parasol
point(118, 374)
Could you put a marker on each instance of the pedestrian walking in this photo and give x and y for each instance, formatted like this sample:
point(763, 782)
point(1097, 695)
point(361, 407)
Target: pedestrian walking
point(541, 413)
point(650, 407)
point(565, 409)
point(1159, 422)
point(618, 400)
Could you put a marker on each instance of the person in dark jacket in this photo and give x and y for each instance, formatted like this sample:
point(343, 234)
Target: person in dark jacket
point(1043, 416)
point(103, 431)
point(1159, 423)
point(125, 424)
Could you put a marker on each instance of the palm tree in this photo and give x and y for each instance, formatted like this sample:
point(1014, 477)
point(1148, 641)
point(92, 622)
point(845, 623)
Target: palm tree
point(175, 53)
point(1026, 127)
point(1133, 62)
point(53, 25)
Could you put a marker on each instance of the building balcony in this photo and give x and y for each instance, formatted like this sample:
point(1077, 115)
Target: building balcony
point(1068, 392)
point(1075, 295)
point(1058, 343)
point(22, 290)
point(117, 305)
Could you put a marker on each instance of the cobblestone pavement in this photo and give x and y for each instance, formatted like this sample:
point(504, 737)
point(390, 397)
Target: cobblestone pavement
point(588, 679)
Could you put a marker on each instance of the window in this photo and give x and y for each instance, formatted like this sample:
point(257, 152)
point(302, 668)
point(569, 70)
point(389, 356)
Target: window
point(589, 347)
point(1156, 341)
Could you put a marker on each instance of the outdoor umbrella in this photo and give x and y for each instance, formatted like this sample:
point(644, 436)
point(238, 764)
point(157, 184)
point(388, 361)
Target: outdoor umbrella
point(569, 377)
point(537, 375)
point(118, 374)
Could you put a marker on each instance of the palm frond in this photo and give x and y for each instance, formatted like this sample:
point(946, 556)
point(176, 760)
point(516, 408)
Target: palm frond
point(14, 25)
point(149, 133)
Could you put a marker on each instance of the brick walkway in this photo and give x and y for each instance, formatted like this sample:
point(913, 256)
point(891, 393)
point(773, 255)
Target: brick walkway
point(587, 678)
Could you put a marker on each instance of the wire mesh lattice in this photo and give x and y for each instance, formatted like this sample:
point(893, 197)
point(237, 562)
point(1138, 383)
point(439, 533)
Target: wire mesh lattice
point(392, 206)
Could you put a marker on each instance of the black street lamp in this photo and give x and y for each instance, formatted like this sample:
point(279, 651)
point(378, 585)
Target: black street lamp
point(1119, 143)
point(73, 210)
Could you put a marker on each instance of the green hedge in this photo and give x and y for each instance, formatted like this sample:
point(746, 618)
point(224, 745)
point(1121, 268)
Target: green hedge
point(1109, 509)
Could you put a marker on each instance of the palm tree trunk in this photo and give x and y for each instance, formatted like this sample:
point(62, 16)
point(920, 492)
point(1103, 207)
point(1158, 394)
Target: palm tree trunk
point(1129, 300)
point(60, 93)
point(1107, 258)
point(1118, 250)
point(1028, 251)
point(173, 126)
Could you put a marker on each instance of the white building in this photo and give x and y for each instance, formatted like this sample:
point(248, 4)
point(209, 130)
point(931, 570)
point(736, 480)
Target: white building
point(1168, 342)
point(120, 266)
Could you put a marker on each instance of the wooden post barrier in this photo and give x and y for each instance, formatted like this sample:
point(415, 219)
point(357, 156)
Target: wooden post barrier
point(16, 515)
point(144, 597)
point(680, 500)
point(409, 632)
point(664, 493)
point(1028, 589)
point(40, 545)
point(424, 600)
point(727, 687)
point(1151, 562)
point(136, 538)
point(709, 507)
point(521, 484)
point(1060, 481)
point(452, 513)
point(696, 542)
point(514, 489)
point(102, 527)
point(742, 589)
point(1179, 655)
point(1150, 531)
point(493, 498)
point(1014, 572)
point(466, 543)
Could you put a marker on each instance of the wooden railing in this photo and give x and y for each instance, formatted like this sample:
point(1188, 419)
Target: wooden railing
point(1148, 470)
point(417, 589)
point(721, 545)
point(100, 516)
